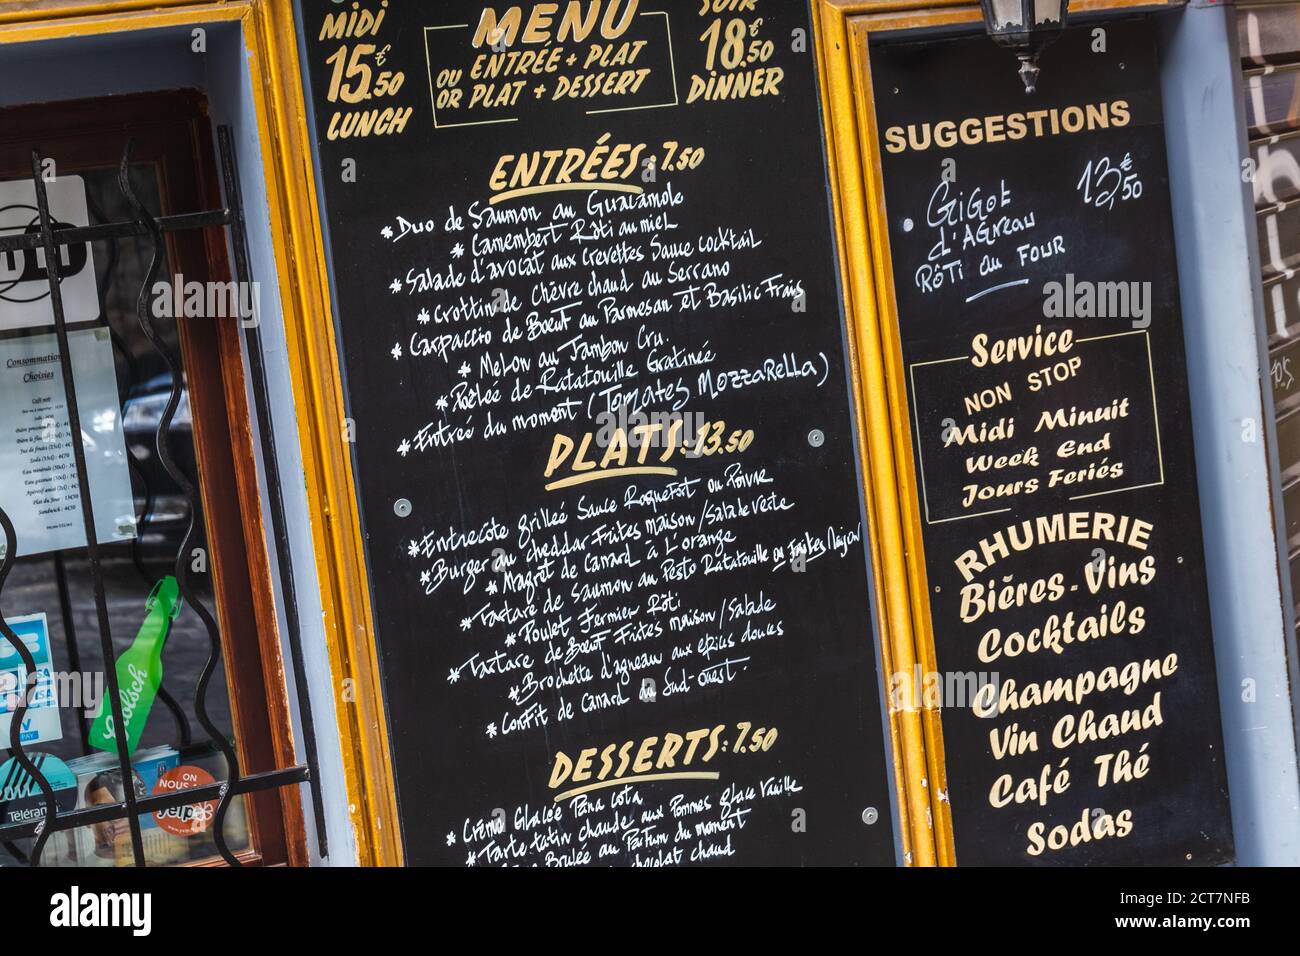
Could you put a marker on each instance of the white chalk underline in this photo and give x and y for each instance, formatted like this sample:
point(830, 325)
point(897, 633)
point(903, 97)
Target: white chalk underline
point(1005, 285)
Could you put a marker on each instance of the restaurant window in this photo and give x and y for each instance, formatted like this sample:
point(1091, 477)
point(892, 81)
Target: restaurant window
point(136, 568)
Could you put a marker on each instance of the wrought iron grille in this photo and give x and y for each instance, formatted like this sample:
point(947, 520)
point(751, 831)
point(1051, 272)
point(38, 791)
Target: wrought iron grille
point(49, 239)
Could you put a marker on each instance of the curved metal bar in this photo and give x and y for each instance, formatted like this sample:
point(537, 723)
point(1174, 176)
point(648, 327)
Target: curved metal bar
point(16, 724)
point(137, 560)
point(142, 216)
point(68, 620)
point(137, 551)
point(178, 715)
point(52, 263)
point(132, 372)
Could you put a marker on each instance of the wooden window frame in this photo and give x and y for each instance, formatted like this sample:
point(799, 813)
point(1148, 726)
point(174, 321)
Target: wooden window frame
point(269, 53)
point(170, 131)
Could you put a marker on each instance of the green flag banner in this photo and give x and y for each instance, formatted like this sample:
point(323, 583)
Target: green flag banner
point(139, 670)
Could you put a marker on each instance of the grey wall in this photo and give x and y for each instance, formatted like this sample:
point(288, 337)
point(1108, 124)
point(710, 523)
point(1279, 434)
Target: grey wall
point(98, 66)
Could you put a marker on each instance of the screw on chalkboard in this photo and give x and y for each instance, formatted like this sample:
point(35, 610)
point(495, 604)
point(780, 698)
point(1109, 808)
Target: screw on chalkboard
point(349, 173)
point(798, 820)
point(817, 438)
point(402, 508)
point(908, 225)
point(870, 816)
point(649, 693)
point(799, 40)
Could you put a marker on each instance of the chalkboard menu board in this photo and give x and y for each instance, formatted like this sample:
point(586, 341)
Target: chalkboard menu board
point(605, 452)
point(1037, 299)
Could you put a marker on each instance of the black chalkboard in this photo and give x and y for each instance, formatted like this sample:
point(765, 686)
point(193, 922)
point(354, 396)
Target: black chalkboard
point(563, 221)
point(1037, 300)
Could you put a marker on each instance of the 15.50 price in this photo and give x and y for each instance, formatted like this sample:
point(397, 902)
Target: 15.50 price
point(354, 80)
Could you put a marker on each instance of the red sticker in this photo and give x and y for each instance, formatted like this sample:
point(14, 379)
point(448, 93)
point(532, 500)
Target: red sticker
point(188, 820)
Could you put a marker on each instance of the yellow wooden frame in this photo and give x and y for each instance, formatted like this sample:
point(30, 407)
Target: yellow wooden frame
point(897, 553)
point(270, 41)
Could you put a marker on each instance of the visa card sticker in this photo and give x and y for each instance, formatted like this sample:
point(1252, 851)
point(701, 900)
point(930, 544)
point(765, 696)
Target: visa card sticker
point(41, 720)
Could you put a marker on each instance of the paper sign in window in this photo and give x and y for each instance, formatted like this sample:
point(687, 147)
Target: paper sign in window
point(40, 491)
point(24, 277)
